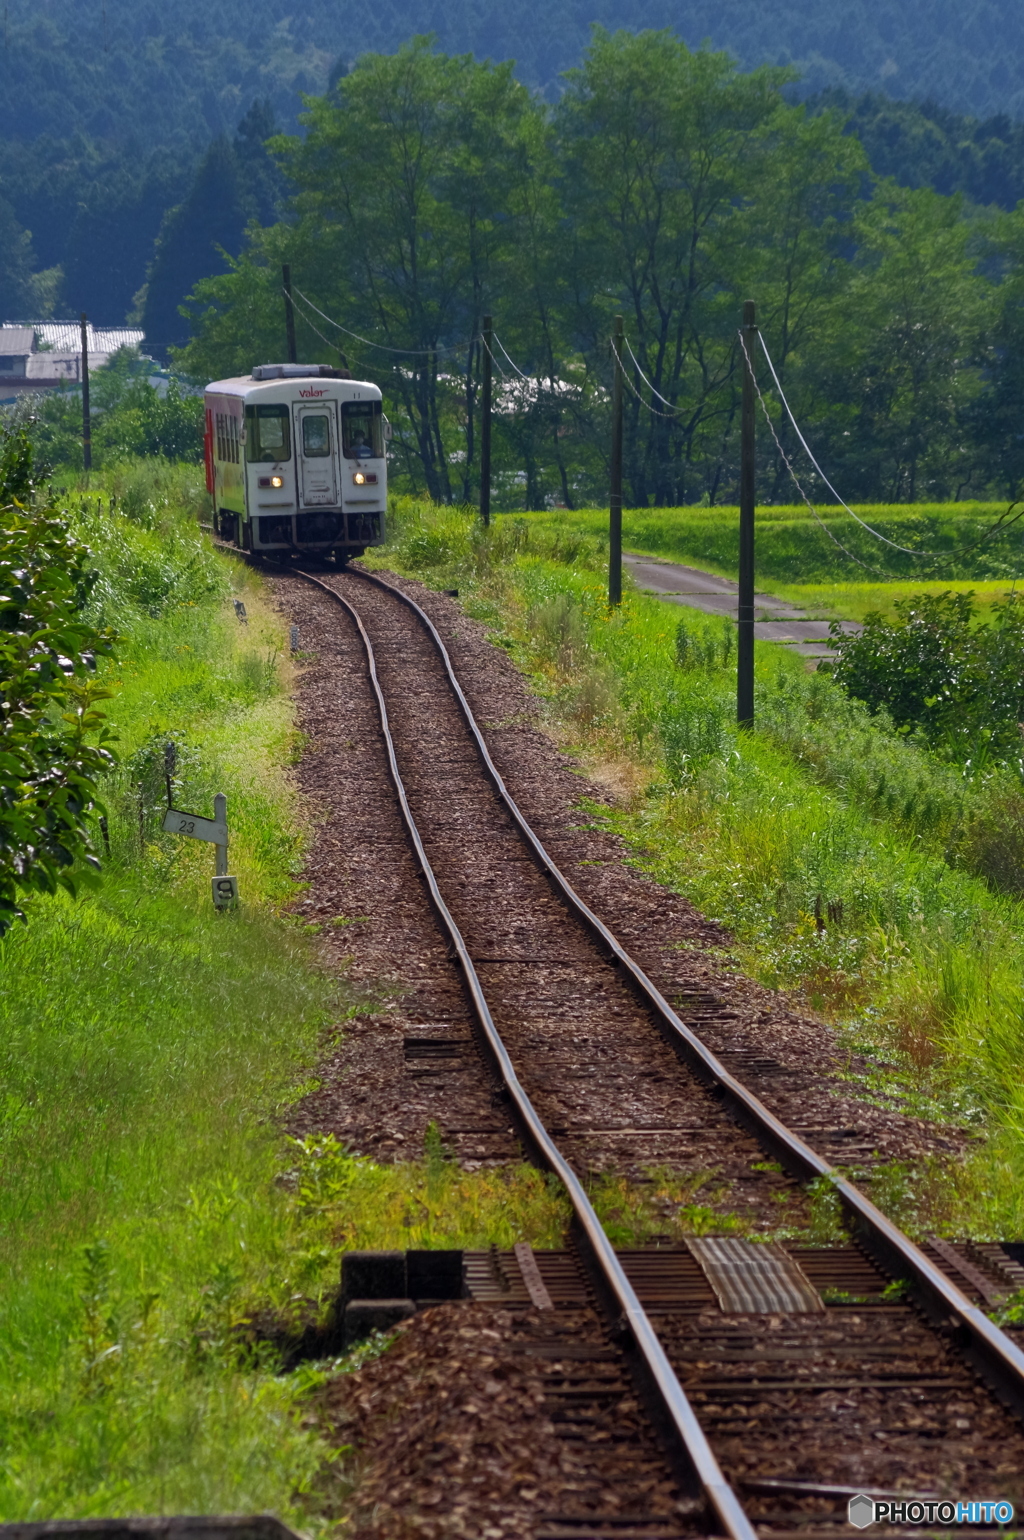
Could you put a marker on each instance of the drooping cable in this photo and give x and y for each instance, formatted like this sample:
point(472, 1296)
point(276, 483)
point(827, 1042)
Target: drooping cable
point(490, 354)
point(529, 378)
point(313, 326)
point(455, 347)
point(674, 411)
point(940, 556)
point(795, 479)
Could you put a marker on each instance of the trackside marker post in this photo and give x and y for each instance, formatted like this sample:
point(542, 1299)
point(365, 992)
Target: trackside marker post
point(214, 830)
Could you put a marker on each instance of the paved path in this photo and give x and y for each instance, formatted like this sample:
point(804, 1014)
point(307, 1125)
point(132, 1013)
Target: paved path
point(774, 619)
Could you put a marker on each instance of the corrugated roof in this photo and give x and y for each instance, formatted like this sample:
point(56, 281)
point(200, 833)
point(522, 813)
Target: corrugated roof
point(16, 340)
point(66, 336)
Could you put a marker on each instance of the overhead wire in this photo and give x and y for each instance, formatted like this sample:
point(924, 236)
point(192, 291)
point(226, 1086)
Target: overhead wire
point(454, 347)
point(313, 327)
point(907, 550)
point(676, 411)
point(878, 571)
point(529, 378)
point(490, 354)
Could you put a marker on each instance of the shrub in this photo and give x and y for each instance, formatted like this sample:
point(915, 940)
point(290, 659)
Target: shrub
point(935, 669)
point(48, 765)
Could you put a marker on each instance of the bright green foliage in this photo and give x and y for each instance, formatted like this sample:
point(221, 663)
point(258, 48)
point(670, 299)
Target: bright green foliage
point(933, 667)
point(155, 1222)
point(663, 185)
point(970, 539)
point(52, 739)
point(129, 418)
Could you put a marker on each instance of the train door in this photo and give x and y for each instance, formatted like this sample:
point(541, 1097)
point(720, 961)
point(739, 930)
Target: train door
point(317, 455)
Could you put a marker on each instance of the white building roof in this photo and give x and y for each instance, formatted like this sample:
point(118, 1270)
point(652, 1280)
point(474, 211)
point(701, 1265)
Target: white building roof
point(16, 341)
point(66, 336)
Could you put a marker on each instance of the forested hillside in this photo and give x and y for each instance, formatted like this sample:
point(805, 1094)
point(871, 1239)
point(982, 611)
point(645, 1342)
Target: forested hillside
point(118, 120)
point(185, 73)
point(665, 185)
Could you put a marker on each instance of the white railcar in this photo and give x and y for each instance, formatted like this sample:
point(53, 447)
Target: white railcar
point(296, 460)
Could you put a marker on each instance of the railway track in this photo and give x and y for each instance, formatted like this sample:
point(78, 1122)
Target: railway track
point(809, 1380)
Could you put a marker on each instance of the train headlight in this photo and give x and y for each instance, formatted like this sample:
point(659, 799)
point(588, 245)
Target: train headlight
point(277, 481)
point(359, 479)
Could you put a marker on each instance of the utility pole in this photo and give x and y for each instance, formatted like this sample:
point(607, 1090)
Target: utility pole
point(745, 615)
point(289, 313)
point(615, 498)
point(86, 424)
point(485, 422)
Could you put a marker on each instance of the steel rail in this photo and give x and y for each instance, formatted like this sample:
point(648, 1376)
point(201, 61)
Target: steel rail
point(673, 1402)
point(980, 1340)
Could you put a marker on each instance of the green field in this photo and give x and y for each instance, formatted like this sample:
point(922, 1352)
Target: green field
point(793, 548)
point(796, 561)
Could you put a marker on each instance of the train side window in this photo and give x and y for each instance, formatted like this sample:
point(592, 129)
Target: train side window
point(268, 437)
point(316, 436)
point(233, 440)
point(362, 430)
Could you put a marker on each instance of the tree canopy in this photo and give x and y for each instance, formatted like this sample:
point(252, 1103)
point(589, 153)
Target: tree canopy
point(667, 186)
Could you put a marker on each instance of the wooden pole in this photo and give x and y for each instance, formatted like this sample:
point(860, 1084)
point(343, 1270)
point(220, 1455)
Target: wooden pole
point(615, 498)
point(289, 313)
point(86, 423)
point(485, 421)
point(745, 615)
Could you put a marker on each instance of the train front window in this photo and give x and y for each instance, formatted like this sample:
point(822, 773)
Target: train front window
point(267, 434)
point(316, 436)
point(362, 432)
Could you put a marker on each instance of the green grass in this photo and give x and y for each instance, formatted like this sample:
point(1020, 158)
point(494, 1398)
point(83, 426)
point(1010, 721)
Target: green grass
point(853, 601)
point(822, 812)
point(792, 546)
point(150, 1204)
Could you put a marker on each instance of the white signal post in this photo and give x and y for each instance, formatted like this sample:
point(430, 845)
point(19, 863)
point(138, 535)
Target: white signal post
point(215, 831)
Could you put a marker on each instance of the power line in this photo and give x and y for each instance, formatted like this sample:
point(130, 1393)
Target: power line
point(796, 480)
point(939, 556)
point(529, 378)
point(676, 411)
point(669, 416)
point(455, 347)
point(490, 354)
point(313, 327)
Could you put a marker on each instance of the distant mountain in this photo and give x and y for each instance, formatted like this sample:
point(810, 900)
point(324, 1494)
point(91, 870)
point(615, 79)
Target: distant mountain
point(152, 73)
point(108, 111)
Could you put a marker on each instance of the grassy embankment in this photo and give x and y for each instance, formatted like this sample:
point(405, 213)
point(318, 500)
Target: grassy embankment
point(798, 561)
point(846, 860)
point(149, 1202)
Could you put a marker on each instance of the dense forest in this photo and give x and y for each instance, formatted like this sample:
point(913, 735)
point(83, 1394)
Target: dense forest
point(118, 130)
point(663, 184)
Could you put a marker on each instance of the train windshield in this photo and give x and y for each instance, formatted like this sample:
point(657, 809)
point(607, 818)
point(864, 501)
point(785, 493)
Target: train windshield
point(267, 433)
point(362, 430)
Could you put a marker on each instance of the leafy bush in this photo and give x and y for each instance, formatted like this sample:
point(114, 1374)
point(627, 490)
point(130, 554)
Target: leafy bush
point(129, 417)
point(48, 765)
point(935, 669)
